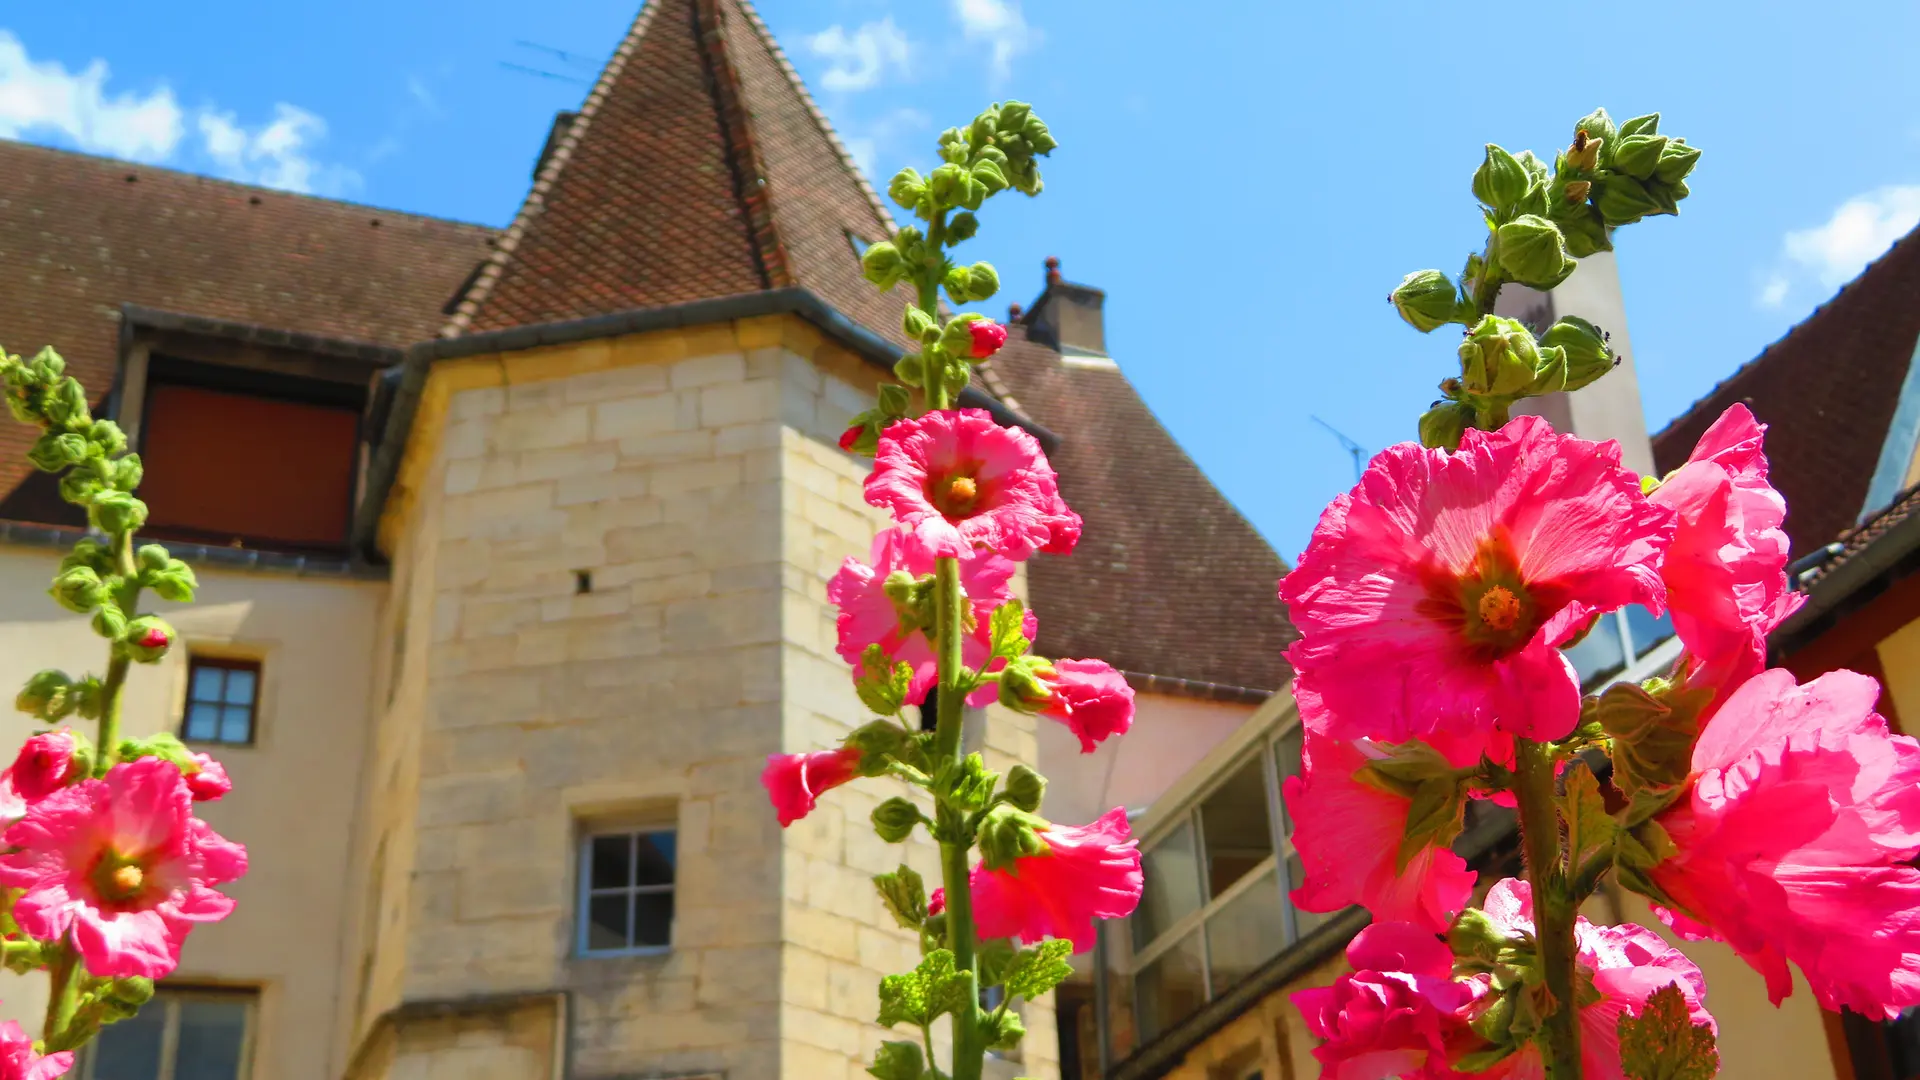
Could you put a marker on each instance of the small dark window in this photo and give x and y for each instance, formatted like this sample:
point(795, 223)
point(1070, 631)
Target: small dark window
point(222, 696)
point(930, 710)
point(859, 244)
point(202, 1034)
point(626, 892)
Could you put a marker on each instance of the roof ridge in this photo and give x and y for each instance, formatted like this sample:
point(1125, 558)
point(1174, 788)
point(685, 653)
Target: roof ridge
point(1687, 414)
point(535, 202)
point(221, 181)
point(750, 184)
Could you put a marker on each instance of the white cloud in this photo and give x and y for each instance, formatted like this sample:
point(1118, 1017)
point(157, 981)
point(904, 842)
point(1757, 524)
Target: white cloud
point(1001, 23)
point(866, 141)
point(277, 154)
point(1860, 231)
point(44, 98)
point(862, 58)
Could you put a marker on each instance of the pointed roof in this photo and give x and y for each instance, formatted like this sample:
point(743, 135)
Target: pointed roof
point(698, 167)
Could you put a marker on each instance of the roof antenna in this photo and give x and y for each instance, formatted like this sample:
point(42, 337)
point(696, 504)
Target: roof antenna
point(1359, 452)
point(579, 63)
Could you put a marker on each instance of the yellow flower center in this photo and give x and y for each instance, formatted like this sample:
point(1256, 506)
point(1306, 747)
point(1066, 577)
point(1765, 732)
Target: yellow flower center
point(1499, 608)
point(126, 881)
point(962, 490)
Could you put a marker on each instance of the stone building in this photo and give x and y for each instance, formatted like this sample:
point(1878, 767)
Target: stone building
point(514, 547)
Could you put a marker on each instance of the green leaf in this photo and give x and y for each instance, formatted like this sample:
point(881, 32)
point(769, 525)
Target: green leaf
point(905, 895)
point(1039, 969)
point(882, 688)
point(1434, 818)
point(1663, 1042)
point(1641, 125)
point(895, 819)
point(898, 1061)
point(1591, 831)
point(995, 956)
point(1009, 631)
point(1652, 731)
point(925, 993)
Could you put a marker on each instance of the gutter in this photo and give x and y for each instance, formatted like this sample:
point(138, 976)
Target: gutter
point(871, 347)
point(1829, 592)
point(1195, 688)
point(25, 534)
point(133, 315)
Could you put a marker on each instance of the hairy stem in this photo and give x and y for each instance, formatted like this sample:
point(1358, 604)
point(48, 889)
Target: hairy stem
point(1552, 904)
point(63, 999)
point(1486, 290)
point(111, 689)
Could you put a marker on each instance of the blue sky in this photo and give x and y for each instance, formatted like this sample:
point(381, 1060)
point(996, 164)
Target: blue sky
point(1246, 180)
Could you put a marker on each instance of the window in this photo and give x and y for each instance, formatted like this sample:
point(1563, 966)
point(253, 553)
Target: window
point(179, 1035)
point(1215, 903)
point(222, 696)
point(1622, 645)
point(626, 892)
point(859, 244)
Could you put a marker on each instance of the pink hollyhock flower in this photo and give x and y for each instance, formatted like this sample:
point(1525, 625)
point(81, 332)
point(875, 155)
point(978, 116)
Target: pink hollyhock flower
point(122, 864)
point(958, 481)
point(1435, 594)
point(1726, 569)
point(209, 782)
point(1793, 842)
point(851, 436)
point(12, 806)
point(1088, 696)
point(45, 764)
point(1087, 872)
point(18, 1061)
point(988, 337)
point(1348, 833)
point(795, 781)
point(868, 617)
point(1063, 525)
point(937, 903)
point(1627, 964)
point(1395, 1014)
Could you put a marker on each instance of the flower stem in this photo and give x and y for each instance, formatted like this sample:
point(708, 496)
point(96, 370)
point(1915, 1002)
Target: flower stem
point(1553, 912)
point(111, 689)
point(63, 999)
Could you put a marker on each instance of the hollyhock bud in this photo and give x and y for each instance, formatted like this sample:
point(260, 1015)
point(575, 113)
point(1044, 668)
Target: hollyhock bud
point(208, 782)
point(147, 638)
point(1395, 1013)
point(1624, 200)
point(1676, 162)
point(47, 695)
point(795, 781)
point(1588, 354)
point(1501, 181)
point(115, 512)
point(78, 589)
point(883, 265)
point(907, 188)
point(1499, 358)
point(50, 761)
point(1427, 300)
point(1442, 425)
point(20, 1061)
point(1638, 155)
point(1532, 252)
point(1086, 873)
point(937, 903)
point(1024, 788)
point(850, 438)
point(1088, 696)
point(988, 337)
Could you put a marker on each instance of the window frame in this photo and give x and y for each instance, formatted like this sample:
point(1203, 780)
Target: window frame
point(1636, 665)
point(170, 998)
point(585, 892)
point(196, 661)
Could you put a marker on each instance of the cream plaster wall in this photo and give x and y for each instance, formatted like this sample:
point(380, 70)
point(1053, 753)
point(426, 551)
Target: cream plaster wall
point(295, 790)
point(1900, 663)
point(1170, 735)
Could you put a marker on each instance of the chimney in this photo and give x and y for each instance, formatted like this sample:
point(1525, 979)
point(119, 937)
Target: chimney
point(1068, 317)
point(562, 123)
point(1609, 408)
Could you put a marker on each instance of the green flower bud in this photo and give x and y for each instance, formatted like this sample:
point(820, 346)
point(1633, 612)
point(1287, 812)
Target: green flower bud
point(985, 282)
point(1583, 228)
point(1013, 116)
point(1536, 169)
point(1596, 125)
point(128, 472)
point(895, 400)
point(79, 487)
point(165, 746)
point(1532, 252)
point(895, 819)
point(131, 992)
point(109, 621)
point(1637, 155)
point(173, 583)
point(988, 175)
point(89, 552)
point(907, 189)
point(1676, 162)
point(1498, 359)
point(115, 512)
point(1024, 788)
point(1021, 688)
point(1588, 355)
point(1666, 197)
point(962, 227)
point(883, 265)
point(1024, 175)
point(147, 639)
point(52, 452)
point(1549, 372)
point(1501, 181)
point(1039, 137)
point(919, 325)
point(1442, 425)
point(948, 185)
point(107, 435)
point(46, 366)
point(981, 132)
point(67, 405)
point(1008, 834)
point(1584, 155)
point(1427, 300)
point(959, 283)
point(911, 369)
point(78, 589)
point(1641, 125)
point(1623, 200)
point(48, 695)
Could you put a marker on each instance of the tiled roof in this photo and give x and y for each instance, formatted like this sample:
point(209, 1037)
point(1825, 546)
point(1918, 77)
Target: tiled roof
point(698, 167)
point(1168, 579)
point(1827, 391)
point(80, 236)
point(1858, 541)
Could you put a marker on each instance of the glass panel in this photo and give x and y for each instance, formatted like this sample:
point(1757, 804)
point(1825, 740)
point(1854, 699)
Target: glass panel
point(1172, 886)
point(1600, 654)
point(607, 922)
point(212, 1034)
point(130, 1049)
point(1122, 1037)
point(1286, 753)
point(1646, 630)
point(206, 683)
point(236, 724)
point(203, 722)
point(1234, 822)
point(1303, 921)
point(610, 862)
point(1247, 931)
point(653, 918)
point(1903, 1044)
point(655, 866)
point(239, 687)
point(1170, 988)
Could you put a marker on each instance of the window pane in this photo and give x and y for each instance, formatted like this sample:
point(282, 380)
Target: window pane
point(212, 1034)
point(610, 861)
point(203, 722)
point(607, 922)
point(1286, 753)
point(1246, 932)
point(1646, 630)
point(130, 1049)
point(1170, 988)
point(236, 723)
point(1600, 654)
point(653, 919)
point(239, 687)
point(1303, 921)
point(206, 683)
point(1172, 886)
point(1234, 823)
point(655, 859)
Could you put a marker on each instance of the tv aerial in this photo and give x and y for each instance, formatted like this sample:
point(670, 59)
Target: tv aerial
point(1358, 452)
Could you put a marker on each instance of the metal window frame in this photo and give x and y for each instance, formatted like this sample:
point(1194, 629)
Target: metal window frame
point(169, 999)
point(585, 892)
point(224, 664)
